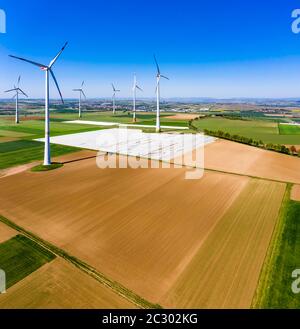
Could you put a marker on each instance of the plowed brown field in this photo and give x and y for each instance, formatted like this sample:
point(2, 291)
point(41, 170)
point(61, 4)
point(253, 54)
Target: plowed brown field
point(225, 271)
point(60, 285)
point(6, 233)
point(242, 159)
point(295, 193)
point(139, 227)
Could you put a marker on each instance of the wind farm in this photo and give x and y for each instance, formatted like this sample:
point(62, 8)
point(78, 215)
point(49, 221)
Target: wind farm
point(122, 187)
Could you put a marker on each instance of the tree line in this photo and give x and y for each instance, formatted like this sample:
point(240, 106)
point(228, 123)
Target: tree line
point(249, 141)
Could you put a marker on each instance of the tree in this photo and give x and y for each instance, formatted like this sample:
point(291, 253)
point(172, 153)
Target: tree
point(293, 150)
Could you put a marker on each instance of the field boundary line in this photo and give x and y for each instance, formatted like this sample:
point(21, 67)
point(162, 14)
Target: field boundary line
point(112, 285)
point(207, 169)
point(266, 272)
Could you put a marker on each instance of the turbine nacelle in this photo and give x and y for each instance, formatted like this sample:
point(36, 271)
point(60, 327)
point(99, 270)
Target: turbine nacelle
point(80, 90)
point(46, 68)
point(135, 85)
point(159, 75)
point(17, 89)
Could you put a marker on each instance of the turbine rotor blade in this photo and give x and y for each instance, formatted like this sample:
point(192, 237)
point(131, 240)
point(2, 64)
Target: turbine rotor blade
point(22, 92)
point(58, 55)
point(139, 88)
point(83, 94)
point(8, 91)
point(57, 86)
point(19, 81)
point(42, 66)
point(165, 77)
point(157, 66)
point(82, 84)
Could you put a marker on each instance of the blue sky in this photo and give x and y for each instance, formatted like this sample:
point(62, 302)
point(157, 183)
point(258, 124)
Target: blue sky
point(208, 48)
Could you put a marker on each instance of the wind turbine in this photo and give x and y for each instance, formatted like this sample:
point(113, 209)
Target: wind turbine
point(158, 77)
point(81, 92)
point(47, 69)
point(115, 91)
point(18, 91)
point(135, 87)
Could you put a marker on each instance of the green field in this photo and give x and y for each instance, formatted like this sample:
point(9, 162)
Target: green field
point(275, 291)
point(289, 130)
point(35, 128)
point(20, 257)
point(26, 151)
point(142, 118)
point(263, 130)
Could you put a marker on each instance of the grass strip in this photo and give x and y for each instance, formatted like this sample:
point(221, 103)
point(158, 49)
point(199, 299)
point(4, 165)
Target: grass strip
point(274, 288)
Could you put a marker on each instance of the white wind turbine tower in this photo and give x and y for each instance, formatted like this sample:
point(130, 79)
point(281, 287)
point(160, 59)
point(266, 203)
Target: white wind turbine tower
point(18, 91)
point(135, 87)
point(115, 91)
point(158, 77)
point(47, 69)
point(81, 92)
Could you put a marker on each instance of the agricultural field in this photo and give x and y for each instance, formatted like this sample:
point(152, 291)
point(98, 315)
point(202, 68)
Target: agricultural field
point(104, 222)
point(25, 151)
point(289, 130)
point(295, 193)
point(19, 257)
point(17, 145)
point(59, 285)
point(6, 233)
point(264, 130)
point(247, 160)
point(225, 271)
point(274, 290)
point(212, 235)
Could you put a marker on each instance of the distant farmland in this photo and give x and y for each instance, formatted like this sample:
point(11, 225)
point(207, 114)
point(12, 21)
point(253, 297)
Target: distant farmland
point(289, 130)
point(264, 130)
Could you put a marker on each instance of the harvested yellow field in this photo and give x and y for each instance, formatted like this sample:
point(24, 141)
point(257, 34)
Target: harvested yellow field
point(295, 195)
point(59, 285)
point(139, 227)
point(184, 116)
point(243, 159)
point(225, 271)
point(7, 139)
point(14, 134)
point(6, 233)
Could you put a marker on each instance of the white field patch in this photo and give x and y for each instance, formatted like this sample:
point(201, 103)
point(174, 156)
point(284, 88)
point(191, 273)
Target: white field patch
point(290, 124)
point(133, 142)
point(111, 124)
